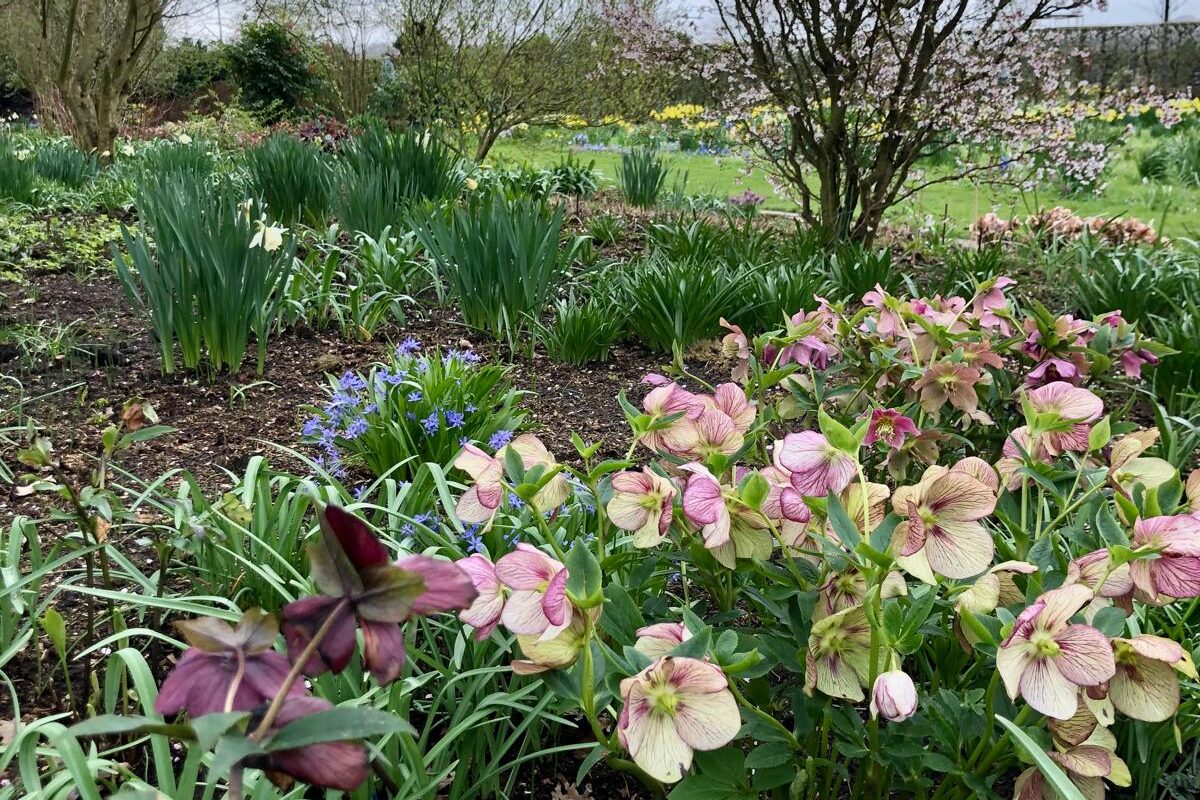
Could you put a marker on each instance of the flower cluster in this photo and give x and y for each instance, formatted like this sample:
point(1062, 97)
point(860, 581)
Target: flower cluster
point(1062, 223)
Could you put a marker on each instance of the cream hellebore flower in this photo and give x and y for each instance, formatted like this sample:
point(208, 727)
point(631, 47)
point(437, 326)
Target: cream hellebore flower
point(1087, 766)
point(183, 138)
point(534, 454)
point(1176, 571)
point(672, 708)
point(893, 696)
point(1145, 686)
point(839, 655)
point(1045, 658)
point(656, 641)
point(1075, 408)
point(942, 533)
point(1127, 466)
point(642, 504)
point(478, 505)
point(816, 467)
point(268, 237)
point(127, 150)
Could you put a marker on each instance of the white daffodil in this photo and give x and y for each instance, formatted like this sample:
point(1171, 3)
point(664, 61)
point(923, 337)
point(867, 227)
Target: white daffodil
point(268, 237)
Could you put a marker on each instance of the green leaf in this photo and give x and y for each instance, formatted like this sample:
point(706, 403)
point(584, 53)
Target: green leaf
point(113, 724)
point(1050, 771)
point(843, 526)
point(838, 434)
point(1110, 621)
point(338, 724)
point(55, 627)
point(754, 490)
point(597, 753)
point(584, 582)
point(514, 467)
point(1099, 435)
point(771, 754)
point(230, 750)
point(621, 617)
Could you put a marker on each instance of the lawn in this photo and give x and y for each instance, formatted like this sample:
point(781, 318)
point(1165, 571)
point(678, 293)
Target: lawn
point(1174, 209)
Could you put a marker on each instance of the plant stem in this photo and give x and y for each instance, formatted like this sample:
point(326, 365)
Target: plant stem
point(770, 721)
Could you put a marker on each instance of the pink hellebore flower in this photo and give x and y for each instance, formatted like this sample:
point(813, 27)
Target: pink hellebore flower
point(715, 434)
point(1087, 766)
point(667, 400)
point(941, 531)
point(1017, 445)
point(642, 504)
point(1078, 407)
point(816, 467)
point(538, 605)
point(534, 454)
point(814, 350)
point(890, 427)
point(730, 399)
point(735, 345)
point(888, 324)
point(1045, 658)
point(894, 696)
point(704, 505)
point(988, 302)
point(1176, 571)
point(484, 614)
point(331, 765)
point(672, 708)
point(656, 641)
point(953, 382)
point(478, 505)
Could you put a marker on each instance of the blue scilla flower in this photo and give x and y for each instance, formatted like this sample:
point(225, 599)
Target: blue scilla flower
point(514, 501)
point(393, 378)
point(370, 408)
point(360, 492)
point(471, 408)
point(422, 367)
point(499, 439)
point(454, 418)
point(340, 399)
point(463, 441)
point(415, 396)
point(351, 382)
point(473, 539)
point(312, 426)
point(408, 347)
point(410, 416)
point(430, 423)
point(357, 428)
point(408, 529)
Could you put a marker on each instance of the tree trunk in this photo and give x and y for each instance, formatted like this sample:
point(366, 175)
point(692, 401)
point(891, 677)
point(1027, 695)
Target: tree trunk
point(486, 139)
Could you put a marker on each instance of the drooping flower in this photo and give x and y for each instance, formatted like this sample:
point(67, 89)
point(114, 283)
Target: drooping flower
point(889, 426)
point(990, 300)
point(1127, 466)
point(478, 505)
point(1176, 571)
point(1046, 658)
point(736, 346)
point(704, 505)
point(953, 382)
point(715, 434)
point(483, 614)
point(557, 648)
point(362, 589)
point(226, 668)
point(838, 662)
point(658, 640)
point(1145, 686)
point(1091, 568)
point(538, 605)
point(1017, 446)
point(268, 237)
point(642, 504)
point(731, 400)
point(672, 708)
point(995, 588)
point(893, 696)
point(1073, 410)
point(815, 466)
point(1086, 765)
point(534, 454)
point(680, 436)
point(331, 765)
point(941, 529)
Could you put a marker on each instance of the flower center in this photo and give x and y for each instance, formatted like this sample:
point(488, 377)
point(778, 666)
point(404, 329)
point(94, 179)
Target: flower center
point(1045, 645)
point(663, 699)
point(1124, 654)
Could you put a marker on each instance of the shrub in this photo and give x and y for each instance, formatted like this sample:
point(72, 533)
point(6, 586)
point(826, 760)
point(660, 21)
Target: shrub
point(216, 273)
point(606, 229)
point(582, 332)
point(275, 69)
point(383, 174)
point(855, 270)
point(292, 177)
point(1140, 282)
point(641, 175)
point(501, 259)
point(572, 177)
point(415, 408)
point(673, 304)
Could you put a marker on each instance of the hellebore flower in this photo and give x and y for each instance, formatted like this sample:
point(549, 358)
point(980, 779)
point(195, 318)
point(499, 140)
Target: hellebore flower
point(361, 588)
point(331, 765)
point(1086, 766)
point(656, 641)
point(990, 300)
point(538, 605)
point(890, 427)
point(484, 613)
point(680, 436)
point(730, 399)
point(1176, 571)
point(557, 648)
point(534, 454)
point(736, 346)
point(1046, 658)
point(894, 696)
point(941, 529)
point(715, 434)
point(704, 505)
point(1017, 446)
point(1145, 686)
point(1090, 568)
point(839, 655)
point(1127, 466)
point(995, 588)
point(949, 381)
point(672, 708)
point(642, 504)
point(478, 505)
point(1074, 410)
point(816, 467)
point(226, 668)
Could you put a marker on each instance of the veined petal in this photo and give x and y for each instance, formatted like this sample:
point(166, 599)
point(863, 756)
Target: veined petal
point(1012, 660)
point(958, 549)
point(1047, 691)
point(627, 512)
point(661, 751)
point(523, 613)
point(526, 568)
point(1146, 689)
point(1085, 657)
point(708, 721)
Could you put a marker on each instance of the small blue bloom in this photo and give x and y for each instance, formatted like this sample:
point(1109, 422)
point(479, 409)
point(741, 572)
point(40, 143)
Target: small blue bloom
point(411, 416)
point(499, 439)
point(430, 423)
point(351, 382)
point(408, 347)
point(370, 408)
point(471, 408)
point(454, 419)
point(408, 529)
point(393, 378)
point(514, 501)
point(415, 396)
point(357, 428)
point(473, 539)
point(312, 426)
point(360, 491)
point(464, 441)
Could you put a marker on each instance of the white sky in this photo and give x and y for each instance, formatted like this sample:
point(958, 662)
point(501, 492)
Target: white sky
point(219, 19)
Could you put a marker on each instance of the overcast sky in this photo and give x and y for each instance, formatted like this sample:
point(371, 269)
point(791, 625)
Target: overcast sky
point(219, 19)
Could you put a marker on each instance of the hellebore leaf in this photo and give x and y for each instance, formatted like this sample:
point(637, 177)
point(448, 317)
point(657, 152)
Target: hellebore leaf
point(388, 593)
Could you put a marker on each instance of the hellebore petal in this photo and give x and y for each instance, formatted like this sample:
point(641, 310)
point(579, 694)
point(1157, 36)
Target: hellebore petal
point(331, 765)
point(894, 696)
point(304, 617)
point(656, 641)
point(383, 650)
point(816, 467)
point(447, 586)
point(484, 613)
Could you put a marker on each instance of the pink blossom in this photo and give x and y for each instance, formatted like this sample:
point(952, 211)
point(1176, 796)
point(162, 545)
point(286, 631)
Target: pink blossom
point(815, 466)
point(642, 504)
point(890, 427)
point(894, 696)
point(538, 605)
point(1176, 571)
point(484, 614)
point(1074, 407)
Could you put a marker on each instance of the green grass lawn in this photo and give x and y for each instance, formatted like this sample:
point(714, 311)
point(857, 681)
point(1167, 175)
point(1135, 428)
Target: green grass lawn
point(1173, 209)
